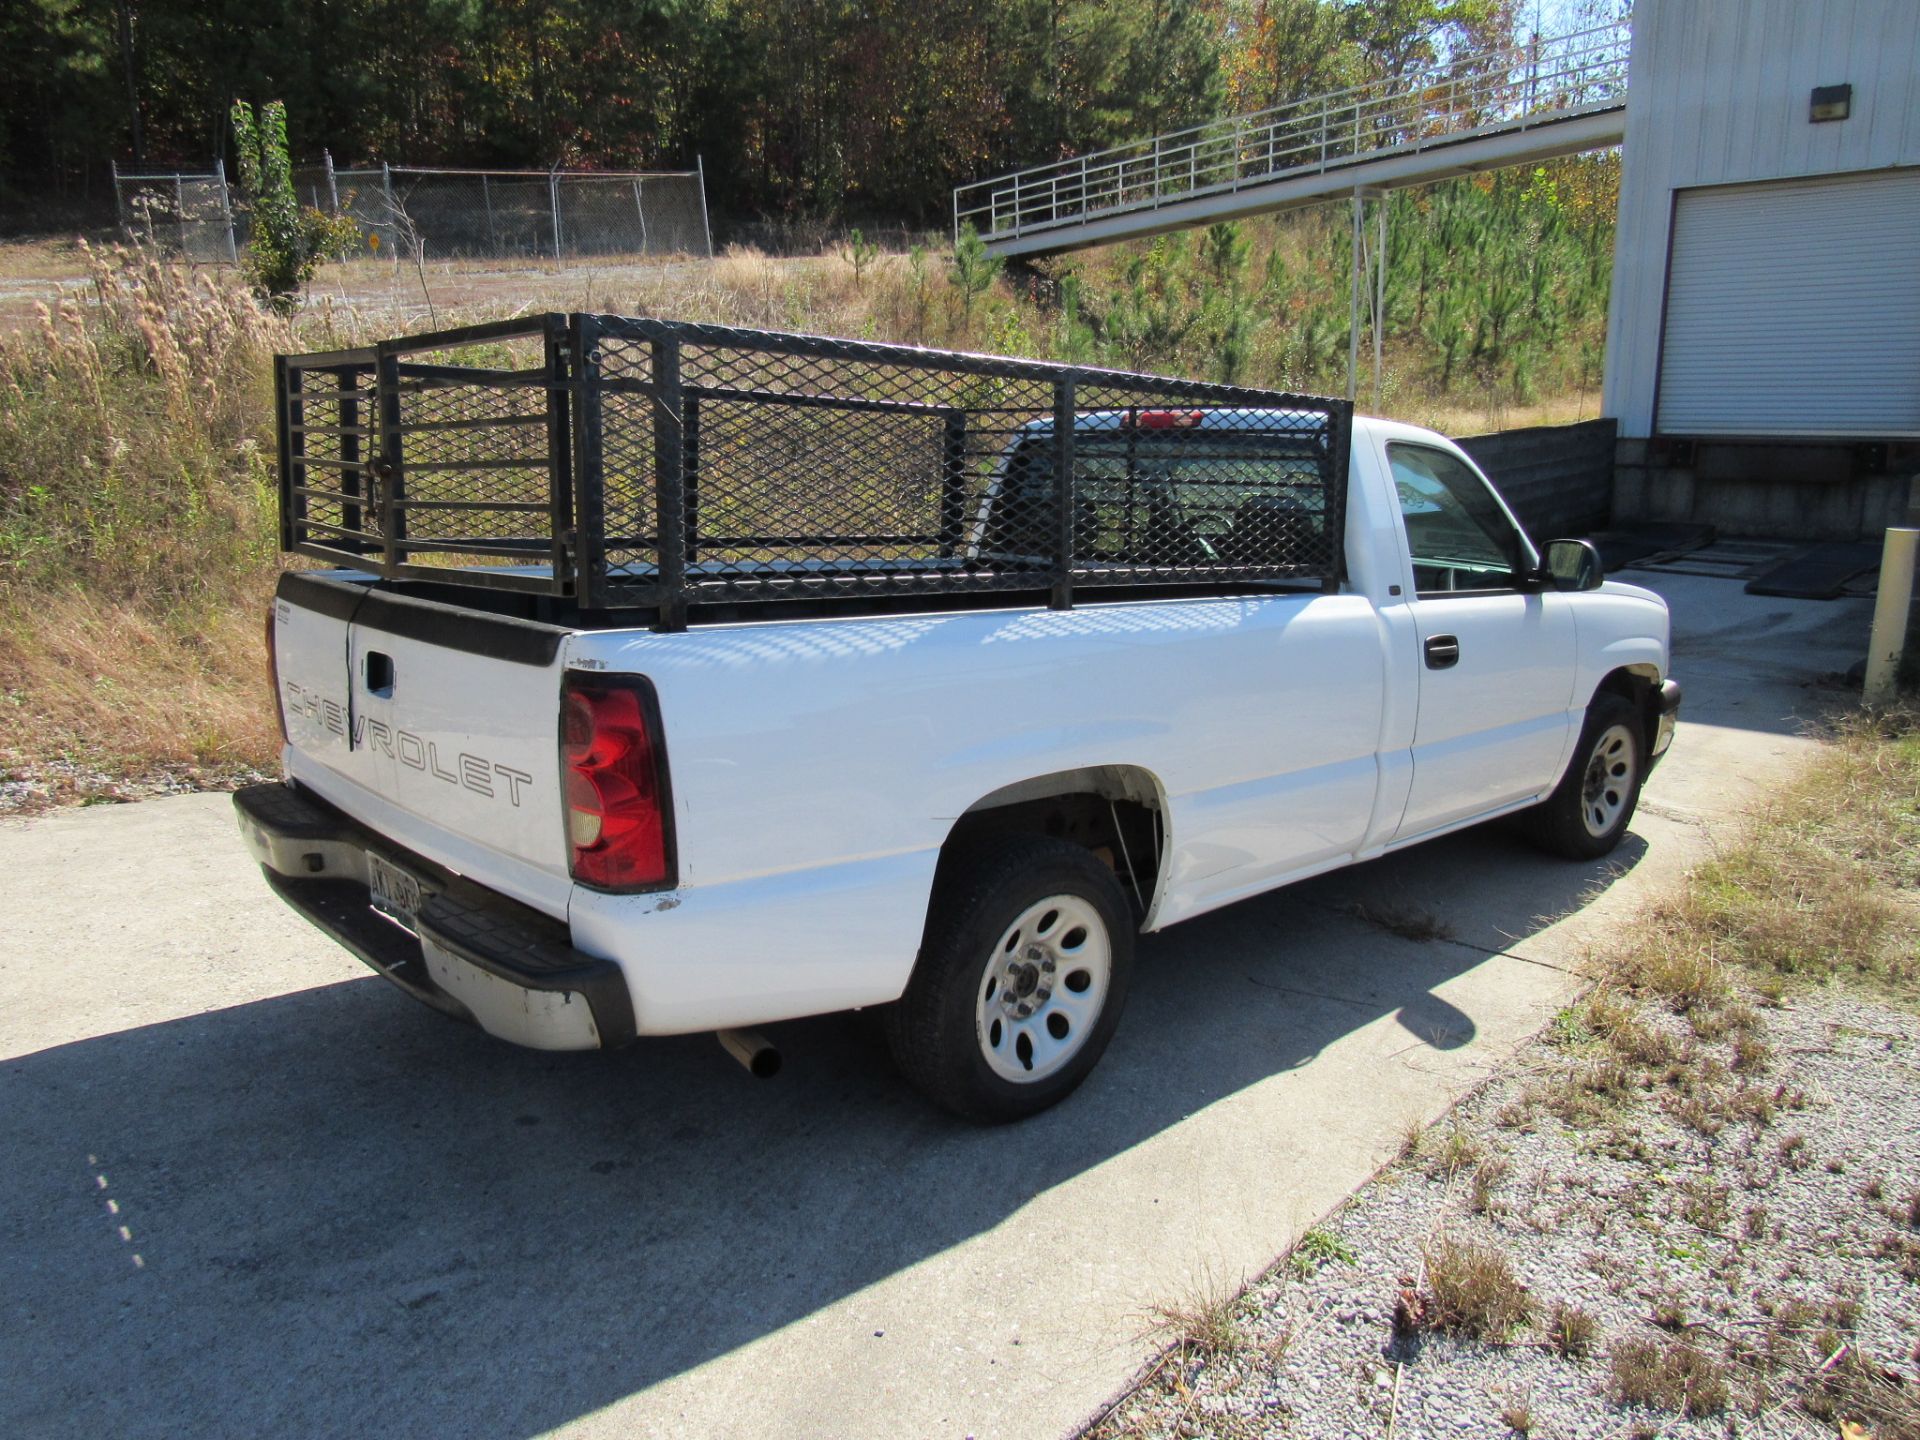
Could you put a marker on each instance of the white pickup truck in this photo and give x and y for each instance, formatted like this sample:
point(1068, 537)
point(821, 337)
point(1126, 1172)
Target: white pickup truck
point(838, 763)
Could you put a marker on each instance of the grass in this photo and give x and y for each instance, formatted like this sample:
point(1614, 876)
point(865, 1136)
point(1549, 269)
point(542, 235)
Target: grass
point(1207, 1322)
point(1571, 1332)
point(1315, 1249)
point(1472, 1292)
point(1673, 1376)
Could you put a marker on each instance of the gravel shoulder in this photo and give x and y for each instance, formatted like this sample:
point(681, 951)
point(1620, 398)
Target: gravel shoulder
point(1726, 1244)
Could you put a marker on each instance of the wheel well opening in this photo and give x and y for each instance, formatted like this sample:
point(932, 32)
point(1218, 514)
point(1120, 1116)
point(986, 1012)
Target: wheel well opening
point(1115, 812)
point(1639, 684)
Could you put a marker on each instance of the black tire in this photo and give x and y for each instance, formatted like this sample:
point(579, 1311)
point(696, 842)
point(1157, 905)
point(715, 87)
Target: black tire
point(939, 1030)
point(1569, 822)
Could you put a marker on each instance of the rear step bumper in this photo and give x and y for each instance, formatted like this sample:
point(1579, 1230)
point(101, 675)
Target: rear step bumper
point(473, 953)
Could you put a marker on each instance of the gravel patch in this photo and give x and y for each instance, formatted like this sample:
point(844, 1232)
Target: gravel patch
point(34, 789)
point(1715, 1228)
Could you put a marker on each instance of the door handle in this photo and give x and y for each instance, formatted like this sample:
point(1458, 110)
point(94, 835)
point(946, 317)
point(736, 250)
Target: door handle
point(1443, 652)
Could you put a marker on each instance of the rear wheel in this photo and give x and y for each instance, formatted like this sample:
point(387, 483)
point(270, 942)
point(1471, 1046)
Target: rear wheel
point(1589, 810)
point(1020, 983)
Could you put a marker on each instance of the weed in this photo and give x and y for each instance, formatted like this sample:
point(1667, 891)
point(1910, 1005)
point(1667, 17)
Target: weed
point(1413, 1134)
point(1473, 1290)
point(1486, 1176)
point(1705, 1204)
point(1318, 1248)
point(1794, 1153)
point(1458, 1151)
point(1517, 1415)
point(1670, 1314)
point(1750, 1053)
point(1571, 1331)
point(1675, 1377)
point(1206, 1323)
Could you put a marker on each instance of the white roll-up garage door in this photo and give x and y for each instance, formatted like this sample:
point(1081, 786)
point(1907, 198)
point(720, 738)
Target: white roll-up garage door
point(1794, 309)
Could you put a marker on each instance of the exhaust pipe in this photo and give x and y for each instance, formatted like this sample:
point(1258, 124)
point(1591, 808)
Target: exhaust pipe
point(752, 1050)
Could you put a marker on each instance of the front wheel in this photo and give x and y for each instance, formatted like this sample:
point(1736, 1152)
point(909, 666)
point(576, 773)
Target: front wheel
point(1020, 983)
point(1588, 811)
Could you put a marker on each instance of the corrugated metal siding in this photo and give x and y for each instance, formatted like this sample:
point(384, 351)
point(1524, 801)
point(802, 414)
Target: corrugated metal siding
point(1557, 478)
point(1794, 309)
point(1718, 95)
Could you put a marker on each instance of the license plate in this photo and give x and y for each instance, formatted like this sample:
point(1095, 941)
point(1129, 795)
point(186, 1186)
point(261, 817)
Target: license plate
point(393, 891)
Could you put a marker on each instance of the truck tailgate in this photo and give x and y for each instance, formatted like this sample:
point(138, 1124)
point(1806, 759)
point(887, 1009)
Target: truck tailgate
point(436, 725)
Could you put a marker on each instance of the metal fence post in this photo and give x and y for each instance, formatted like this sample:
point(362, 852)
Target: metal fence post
point(333, 184)
point(226, 214)
point(553, 200)
point(180, 213)
point(386, 192)
point(706, 226)
point(640, 209)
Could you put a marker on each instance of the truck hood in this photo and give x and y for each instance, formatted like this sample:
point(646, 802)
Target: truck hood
point(1632, 592)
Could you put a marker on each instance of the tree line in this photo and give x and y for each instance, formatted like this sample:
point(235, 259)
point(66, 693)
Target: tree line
point(824, 109)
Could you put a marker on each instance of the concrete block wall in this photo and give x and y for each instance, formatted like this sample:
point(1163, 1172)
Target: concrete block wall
point(1559, 479)
point(1767, 491)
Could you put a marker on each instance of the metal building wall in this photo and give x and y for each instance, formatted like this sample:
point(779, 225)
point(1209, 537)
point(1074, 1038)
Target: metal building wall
point(1718, 94)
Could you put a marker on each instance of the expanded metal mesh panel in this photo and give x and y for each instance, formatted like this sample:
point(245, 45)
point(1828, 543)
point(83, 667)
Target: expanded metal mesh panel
point(476, 466)
point(627, 461)
point(417, 456)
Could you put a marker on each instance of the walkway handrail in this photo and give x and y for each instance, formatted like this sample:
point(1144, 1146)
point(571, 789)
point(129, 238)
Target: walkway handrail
point(1508, 87)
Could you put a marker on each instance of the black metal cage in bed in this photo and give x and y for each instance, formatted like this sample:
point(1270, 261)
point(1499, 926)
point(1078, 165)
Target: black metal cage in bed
point(629, 462)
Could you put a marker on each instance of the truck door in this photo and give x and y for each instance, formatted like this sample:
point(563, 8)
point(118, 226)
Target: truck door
point(1496, 664)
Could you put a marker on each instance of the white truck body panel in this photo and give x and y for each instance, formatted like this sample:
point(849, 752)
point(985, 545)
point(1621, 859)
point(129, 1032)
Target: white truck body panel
point(819, 765)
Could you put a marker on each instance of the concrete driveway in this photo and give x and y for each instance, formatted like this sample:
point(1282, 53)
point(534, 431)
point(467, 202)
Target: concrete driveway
point(246, 1188)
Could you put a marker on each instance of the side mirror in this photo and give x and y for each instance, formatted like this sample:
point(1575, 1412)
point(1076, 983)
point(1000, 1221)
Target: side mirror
point(1574, 565)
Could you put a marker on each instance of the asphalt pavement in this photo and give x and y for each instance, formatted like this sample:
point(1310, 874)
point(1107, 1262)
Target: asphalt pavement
point(247, 1188)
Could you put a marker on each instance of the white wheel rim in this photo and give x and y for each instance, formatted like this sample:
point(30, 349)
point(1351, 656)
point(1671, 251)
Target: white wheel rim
point(1045, 985)
point(1608, 783)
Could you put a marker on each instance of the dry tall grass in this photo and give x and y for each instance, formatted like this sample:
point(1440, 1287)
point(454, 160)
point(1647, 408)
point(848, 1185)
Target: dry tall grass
point(136, 542)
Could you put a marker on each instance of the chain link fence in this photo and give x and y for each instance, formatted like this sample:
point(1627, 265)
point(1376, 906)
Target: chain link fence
point(510, 214)
point(190, 215)
point(447, 214)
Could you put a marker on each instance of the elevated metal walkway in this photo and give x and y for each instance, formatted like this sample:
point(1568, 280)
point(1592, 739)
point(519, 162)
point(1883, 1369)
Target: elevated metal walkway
point(1511, 106)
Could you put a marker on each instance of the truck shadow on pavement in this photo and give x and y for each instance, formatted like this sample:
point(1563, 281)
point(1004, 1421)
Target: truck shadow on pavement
point(333, 1212)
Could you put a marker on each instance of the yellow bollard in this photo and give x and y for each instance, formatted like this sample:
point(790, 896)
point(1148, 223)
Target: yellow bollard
point(1890, 609)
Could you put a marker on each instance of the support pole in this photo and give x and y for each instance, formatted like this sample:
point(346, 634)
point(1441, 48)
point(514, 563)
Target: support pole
point(1379, 294)
point(1353, 306)
point(1891, 608)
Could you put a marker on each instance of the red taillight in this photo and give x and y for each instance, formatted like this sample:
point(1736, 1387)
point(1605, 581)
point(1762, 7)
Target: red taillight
point(614, 779)
point(273, 668)
point(1166, 419)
